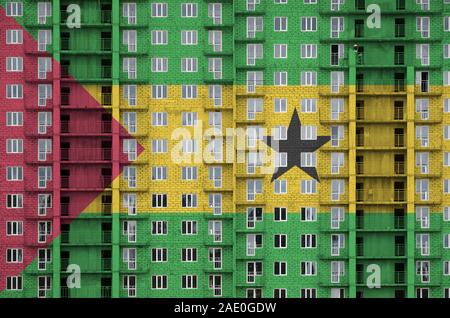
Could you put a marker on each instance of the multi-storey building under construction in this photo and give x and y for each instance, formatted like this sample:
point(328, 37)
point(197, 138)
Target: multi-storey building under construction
point(119, 179)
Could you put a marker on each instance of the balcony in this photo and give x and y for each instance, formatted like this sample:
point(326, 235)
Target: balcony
point(85, 238)
point(399, 167)
point(399, 251)
point(86, 154)
point(66, 209)
point(377, 222)
point(86, 127)
point(380, 196)
point(103, 182)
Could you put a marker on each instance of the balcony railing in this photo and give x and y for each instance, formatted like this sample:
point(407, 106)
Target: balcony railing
point(86, 127)
point(399, 167)
point(374, 222)
point(106, 292)
point(400, 250)
point(104, 182)
point(399, 140)
point(360, 113)
point(85, 237)
point(399, 222)
point(399, 30)
point(106, 99)
point(399, 277)
point(399, 85)
point(359, 168)
point(398, 113)
point(399, 58)
point(380, 195)
point(105, 16)
point(106, 209)
point(105, 44)
point(359, 249)
point(359, 140)
point(106, 264)
point(86, 154)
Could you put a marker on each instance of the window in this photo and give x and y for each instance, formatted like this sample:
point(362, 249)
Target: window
point(44, 93)
point(129, 284)
point(189, 146)
point(188, 254)
point(446, 213)
point(308, 159)
point(44, 122)
point(189, 200)
point(159, 146)
point(215, 175)
point(13, 282)
point(129, 121)
point(189, 281)
point(44, 10)
point(159, 64)
point(337, 26)
point(44, 175)
point(254, 79)
point(189, 65)
point(337, 189)
point(337, 80)
point(280, 51)
point(308, 132)
point(254, 107)
point(129, 230)
point(422, 108)
point(422, 189)
point(422, 133)
point(281, 159)
point(189, 227)
point(308, 24)
point(14, 37)
point(159, 10)
point(423, 270)
point(280, 78)
point(280, 24)
point(159, 119)
point(280, 105)
point(189, 10)
point(280, 268)
point(130, 40)
point(189, 173)
point(160, 37)
point(254, 52)
point(308, 78)
point(189, 37)
point(337, 107)
point(159, 255)
point(215, 229)
point(129, 202)
point(337, 134)
point(308, 241)
point(254, 24)
point(159, 282)
point(254, 187)
point(14, 91)
point(159, 91)
point(159, 227)
point(159, 173)
point(337, 243)
point(159, 200)
point(129, 67)
point(14, 146)
point(308, 268)
point(14, 9)
point(423, 53)
point(189, 118)
point(337, 271)
point(14, 255)
point(14, 201)
point(14, 119)
point(129, 12)
point(215, 93)
point(280, 214)
point(188, 91)
point(337, 162)
point(215, 39)
point(308, 51)
point(129, 258)
point(423, 26)
point(44, 39)
point(215, 67)
point(14, 228)
point(308, 214)
point(215, 12)
point(337, 216)
point(308, 186)
point(280, 186)
point(215, 202)
point(14, 64)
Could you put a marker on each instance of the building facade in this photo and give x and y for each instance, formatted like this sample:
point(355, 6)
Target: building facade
point(120, 178)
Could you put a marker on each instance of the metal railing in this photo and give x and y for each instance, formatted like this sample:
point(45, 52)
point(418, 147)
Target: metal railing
point(86, 154)
point(104, 127)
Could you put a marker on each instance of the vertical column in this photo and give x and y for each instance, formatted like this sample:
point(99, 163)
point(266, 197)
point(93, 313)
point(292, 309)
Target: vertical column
point(352, 175)
point(56, 99)
point(234, 286)
point(410, 183)
point(115, 149)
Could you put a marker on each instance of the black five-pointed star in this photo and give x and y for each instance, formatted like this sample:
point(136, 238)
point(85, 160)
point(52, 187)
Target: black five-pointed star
point(294, 146)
